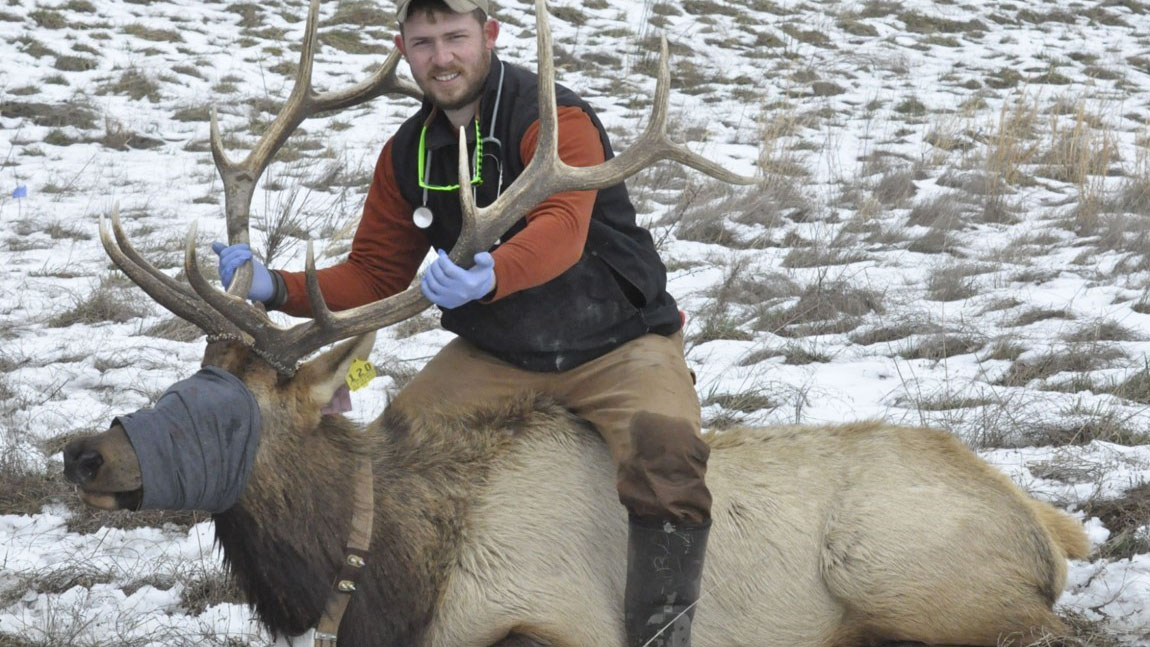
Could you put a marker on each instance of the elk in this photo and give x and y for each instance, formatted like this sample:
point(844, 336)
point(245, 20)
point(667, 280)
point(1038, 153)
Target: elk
point(500, 526)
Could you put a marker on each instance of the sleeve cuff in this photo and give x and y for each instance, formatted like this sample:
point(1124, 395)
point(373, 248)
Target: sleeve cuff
point(279, 292)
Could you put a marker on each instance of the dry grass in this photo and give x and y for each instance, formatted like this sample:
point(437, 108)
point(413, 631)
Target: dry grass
point(174, 329)
point(1126, 517)
point(106, 303)
point(822, 308)
point(53, 580)
point(85, 520)
point(358, 12)
point(1086, 632)
point(822, 256)
point(779, 161)
point(718, 323)
point(1135, 387)
point(746, 284)
point(938, 212)
point(938, 347)
point(954, 282)
point(134, 84)
point(1080, 358)
point(1133, 197)
point(301, 207)
point(207, 589)
point(1013, 146)
point(749, 401)
point(895, 188)
point(1103, 330)
point(25, 490)
point(950, 402)
point(76, 114)
point(119, 137)
point(798, 354)
point(153, 34)
point(886, 333)
point(1034, 315)
point(937, 240)
point(68, 63)
point(423, 322)
point(347, 40)
point(735, 407)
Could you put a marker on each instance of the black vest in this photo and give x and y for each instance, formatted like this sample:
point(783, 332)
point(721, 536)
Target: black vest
point(616, 292)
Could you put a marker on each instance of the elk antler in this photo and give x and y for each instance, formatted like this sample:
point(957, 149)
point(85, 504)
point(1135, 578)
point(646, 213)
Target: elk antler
point(547, 174)
point(544, 176)
point(239, 181)
point(161, 287)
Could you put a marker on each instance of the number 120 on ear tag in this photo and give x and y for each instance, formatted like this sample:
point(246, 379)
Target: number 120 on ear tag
point(359, 374)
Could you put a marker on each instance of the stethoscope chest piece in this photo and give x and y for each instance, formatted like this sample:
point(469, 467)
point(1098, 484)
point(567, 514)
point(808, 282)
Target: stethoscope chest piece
point(422, 217)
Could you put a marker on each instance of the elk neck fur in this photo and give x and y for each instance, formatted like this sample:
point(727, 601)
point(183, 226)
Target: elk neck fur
point(284, 539)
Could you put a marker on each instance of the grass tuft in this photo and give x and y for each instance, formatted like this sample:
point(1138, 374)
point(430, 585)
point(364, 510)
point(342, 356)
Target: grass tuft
point(134, 84)
point(103, 305)
point(1126, 518)
point(152, 34)
point(937, 347)
point(1076, 359)
point(174, 329)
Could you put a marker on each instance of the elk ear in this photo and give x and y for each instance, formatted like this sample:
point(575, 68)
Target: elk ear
point(327, 372)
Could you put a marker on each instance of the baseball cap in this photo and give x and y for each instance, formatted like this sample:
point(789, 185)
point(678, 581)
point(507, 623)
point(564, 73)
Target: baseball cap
point(458, 6)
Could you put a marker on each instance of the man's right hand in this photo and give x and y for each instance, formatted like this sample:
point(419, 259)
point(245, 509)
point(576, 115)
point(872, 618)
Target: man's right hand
point(232, 257)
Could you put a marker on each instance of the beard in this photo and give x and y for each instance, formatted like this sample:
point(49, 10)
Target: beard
point(472, 91)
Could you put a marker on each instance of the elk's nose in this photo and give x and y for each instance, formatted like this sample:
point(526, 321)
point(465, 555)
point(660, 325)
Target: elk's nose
point(81, 464)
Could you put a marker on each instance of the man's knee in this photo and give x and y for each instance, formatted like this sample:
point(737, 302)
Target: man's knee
point(662, 477)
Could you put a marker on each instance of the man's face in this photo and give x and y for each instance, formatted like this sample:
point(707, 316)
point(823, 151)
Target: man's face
point(449, 55)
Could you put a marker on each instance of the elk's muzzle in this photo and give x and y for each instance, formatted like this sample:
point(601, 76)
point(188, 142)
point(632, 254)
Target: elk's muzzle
point(193, 451)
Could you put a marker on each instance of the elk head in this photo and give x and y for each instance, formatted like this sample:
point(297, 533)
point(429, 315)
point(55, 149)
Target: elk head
point(262, 356)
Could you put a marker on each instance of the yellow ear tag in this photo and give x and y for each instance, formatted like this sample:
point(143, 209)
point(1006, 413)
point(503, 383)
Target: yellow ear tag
point(359, 374)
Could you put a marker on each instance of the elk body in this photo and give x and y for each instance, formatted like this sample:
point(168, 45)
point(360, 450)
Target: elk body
point(501, 526)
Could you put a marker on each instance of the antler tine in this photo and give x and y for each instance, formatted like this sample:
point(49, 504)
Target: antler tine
point(240, 178)
point(470, 241)
point(544, 176)
point(305, 338)
point(654, 144)
point(547, 174)
point(236, 310)
point(319, 309)
point(163, 289)
point(482, 227)
point(385, 80)
point(303, 102)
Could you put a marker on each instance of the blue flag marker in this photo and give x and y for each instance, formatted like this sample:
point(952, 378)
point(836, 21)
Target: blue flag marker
point(21, 191)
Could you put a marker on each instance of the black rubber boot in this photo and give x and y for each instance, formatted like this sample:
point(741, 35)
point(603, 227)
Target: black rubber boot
point(664, 566)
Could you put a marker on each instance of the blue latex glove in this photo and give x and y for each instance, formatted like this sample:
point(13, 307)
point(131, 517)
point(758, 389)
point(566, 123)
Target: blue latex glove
point(232, 257)
point(449, 286)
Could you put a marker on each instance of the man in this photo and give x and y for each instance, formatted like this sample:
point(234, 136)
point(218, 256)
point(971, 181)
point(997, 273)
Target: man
point(571, 302)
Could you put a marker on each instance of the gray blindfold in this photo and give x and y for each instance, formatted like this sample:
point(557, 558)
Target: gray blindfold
point(196, 446)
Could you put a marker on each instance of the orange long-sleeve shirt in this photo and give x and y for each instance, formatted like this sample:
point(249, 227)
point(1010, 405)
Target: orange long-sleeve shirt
point(388, 247)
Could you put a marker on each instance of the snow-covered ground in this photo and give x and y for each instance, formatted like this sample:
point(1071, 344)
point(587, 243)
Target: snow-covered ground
point(953, 228)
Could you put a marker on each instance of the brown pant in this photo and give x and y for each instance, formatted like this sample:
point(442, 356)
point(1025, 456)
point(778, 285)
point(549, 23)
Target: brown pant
point(640, 396)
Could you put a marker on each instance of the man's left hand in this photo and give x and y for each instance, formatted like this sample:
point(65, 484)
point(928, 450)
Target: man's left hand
point(449, 286)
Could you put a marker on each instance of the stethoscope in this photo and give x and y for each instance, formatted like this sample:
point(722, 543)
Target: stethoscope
point(422, 216)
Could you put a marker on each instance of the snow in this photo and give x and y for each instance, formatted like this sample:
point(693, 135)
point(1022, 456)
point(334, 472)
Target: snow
point(739, 108)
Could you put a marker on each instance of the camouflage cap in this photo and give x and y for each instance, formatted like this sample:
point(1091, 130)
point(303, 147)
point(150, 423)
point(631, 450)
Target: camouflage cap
point(458, 6)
